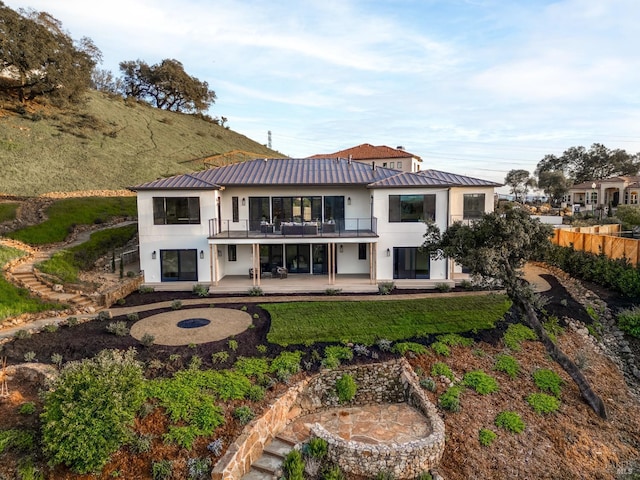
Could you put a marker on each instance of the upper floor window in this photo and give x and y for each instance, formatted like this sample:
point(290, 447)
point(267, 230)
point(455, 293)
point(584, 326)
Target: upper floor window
point(176, 210)
point(473, 205)
point(412, 208)
point(399, 165)
point(235, 209)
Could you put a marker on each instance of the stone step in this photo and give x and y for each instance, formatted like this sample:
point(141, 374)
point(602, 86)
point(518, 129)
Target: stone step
point(279, 447)
point(258, 475)
point(268, 463)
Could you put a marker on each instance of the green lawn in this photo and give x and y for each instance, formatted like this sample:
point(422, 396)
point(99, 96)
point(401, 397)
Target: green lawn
point(8, 211)
point(365, 322)
point(66, 213)
point(13, 300)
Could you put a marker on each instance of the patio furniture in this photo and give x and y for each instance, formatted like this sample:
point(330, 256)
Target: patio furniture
point(282, 272)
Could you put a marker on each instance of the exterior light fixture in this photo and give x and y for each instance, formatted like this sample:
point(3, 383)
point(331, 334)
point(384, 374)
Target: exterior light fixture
point(219, 252)
point(341, 248)
point(201, 254)
point(153, 255)
point(348, 200)
point(388, 252)
point(244, 201)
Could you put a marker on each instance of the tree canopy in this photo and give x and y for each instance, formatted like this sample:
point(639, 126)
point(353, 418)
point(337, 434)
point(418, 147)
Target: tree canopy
point(577, 164)
point(496, 247)
point(38, 58)
point(520, 181)
point(554, 184)
point(166, 85)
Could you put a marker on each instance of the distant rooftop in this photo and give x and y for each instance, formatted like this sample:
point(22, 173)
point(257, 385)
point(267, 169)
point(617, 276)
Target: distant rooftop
point(367, 151)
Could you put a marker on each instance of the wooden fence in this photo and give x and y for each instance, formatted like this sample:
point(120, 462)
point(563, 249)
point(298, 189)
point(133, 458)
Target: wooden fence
point(599, 239)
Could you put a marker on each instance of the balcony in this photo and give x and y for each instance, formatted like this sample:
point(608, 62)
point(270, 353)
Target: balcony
point(468, 220)
point(349, 227)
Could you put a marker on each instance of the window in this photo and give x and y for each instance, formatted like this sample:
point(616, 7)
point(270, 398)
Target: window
point(399, 165)
point(412, 208)
point(362, 251)
point(409, 262)
point(179, 265)
point(392, 165)
point(334, 209)
point(232, 253)
point(235, 210)
point(176, 210)
point(384, 164)
point(473, 205)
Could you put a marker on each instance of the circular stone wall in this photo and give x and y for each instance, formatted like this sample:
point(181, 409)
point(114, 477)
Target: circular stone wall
point(222, 323)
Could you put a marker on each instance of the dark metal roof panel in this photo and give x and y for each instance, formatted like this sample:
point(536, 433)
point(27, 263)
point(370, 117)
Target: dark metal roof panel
point(454, 179)
point(187, 181)
point(406, 179)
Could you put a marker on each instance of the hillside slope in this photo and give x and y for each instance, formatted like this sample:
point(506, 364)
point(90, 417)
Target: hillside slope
point(108, 143)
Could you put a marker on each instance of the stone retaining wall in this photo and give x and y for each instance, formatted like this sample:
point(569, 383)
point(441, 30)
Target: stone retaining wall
point(390, 382)
point(129, 286)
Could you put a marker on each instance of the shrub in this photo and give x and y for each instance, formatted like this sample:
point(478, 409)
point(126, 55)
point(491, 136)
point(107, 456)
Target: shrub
point(104, 315)
point(182, 436)
point(50, 328)
point(199, 468)
point(402, 348)
point(553, 328)
point(508, 365)
point(22, 334)
point(219, 357)
point(251, 366)
point(443, 369)
point(195, 363)
point(486, 437)
point(255, 292)
point(441, 349)
point(28, 408)
point(332, 291)
point(243, 414)
point(330, 362)
point(147, 340)
point(133, 317)
point(144, 290)
point(15, 439)
point(261, 349)
point(72, 321)
point(293, 465)
point(333, 473)
point(176, 305)
point(316, 448)
point(121, 301)
point(28, 471)
point(255, 393)
point(334, 354)
point(384, 344)
point(233, 345)
point(346, 388)
point(200, 290)
point(286, 364)
point(216, 446)
point(141, 443)
point(510, 421)
point(428, 384)
point(629, 321)
point(119, 329)
point(443, 287)
point(466, 285)
point(30, 356)
point(548, 381)
point(517, 333)
point(454, 340)
point(361, 350)
point(450, 400)
point(385, 288)
point(96, 398)
point(543, 403)
point(480, 382)
point(161, 470)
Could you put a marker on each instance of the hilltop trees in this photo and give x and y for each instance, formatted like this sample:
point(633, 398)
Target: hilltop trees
point(166, 85)
point(520, 181)
point(40, 59)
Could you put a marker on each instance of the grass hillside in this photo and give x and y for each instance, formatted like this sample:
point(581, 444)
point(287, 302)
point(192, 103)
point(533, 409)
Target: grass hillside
point(108, 143)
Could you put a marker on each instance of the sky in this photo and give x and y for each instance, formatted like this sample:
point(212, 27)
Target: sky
point(474, 87)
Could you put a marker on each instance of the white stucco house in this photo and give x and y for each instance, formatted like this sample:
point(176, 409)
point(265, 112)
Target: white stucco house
point(330, 222)
point(596, 194)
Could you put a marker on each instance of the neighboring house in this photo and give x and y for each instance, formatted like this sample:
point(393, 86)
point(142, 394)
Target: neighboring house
point(380, 156)
point(307, 217)
point(614, 191)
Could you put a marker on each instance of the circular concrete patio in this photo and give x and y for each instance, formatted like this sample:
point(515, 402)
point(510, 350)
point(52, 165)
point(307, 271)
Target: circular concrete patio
point(222, 323)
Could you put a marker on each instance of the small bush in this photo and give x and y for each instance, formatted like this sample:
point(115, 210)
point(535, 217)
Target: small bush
point(133, 317)
point(261, 349)
point(286, 364)
point(553, 328)
point(316, 448)
point(480, 382)
point(255, 393)
point(385, 288)
point(454, 340)
point(104, 315)
point(200, 290)
point(141, 443)
point(361, 350)
point(219, 357)
point(443, 369)
point(243, 414)
point(251, 366)
point(255, 292)
point(450, 400)
point(333, 473)
point(28, 408)
point(548, 381)
point(161, 470)
point(22, 334)
point(443, 287)
point(72, 321)
point(181, 436)
point(334, 354)
point(119, 329)
point(144, 290)
point(147, 340)
point(402, 348)
point(15, 439)
point(332, 291)
point(629, 321)
point(233, 345)
point(516, 334)
point(50, 328)
point(510, 421)
point(346, 388)
point(428, 384)
point(508, 365)
point(466, 285)
point(176, 305)
point(293, 465)
point(199, 468)
point(30, 356)
point(195, 363)
point(486, 437)
point(121, 301)
point(216, 446)
point(384, 344)
point(330, 362)
point(441, 349)
point(543, 403)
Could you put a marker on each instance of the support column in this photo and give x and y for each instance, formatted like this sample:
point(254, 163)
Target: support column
point(213, 266)
point(332, 263)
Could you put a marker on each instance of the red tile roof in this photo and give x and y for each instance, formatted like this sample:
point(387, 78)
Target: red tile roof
point(367, 151)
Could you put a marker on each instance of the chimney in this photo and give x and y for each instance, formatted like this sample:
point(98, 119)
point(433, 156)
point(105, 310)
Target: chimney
point(349, 159)
point(373, 166)
point(400, 147)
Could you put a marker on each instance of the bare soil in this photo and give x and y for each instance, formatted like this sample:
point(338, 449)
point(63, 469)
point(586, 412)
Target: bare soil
point(573, 443)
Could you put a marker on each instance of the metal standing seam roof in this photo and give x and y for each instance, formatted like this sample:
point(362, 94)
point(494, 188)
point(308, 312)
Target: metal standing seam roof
point(453, 179)
point(296, 172)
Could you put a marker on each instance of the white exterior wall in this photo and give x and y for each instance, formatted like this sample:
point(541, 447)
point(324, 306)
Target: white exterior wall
point(164, 237)
point(456, 208)
point(406, 234)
